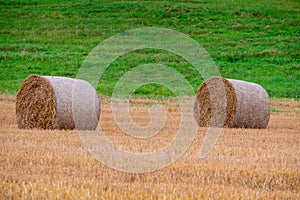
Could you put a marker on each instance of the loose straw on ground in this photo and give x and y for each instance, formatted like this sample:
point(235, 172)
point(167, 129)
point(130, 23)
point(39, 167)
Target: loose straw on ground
point(248, 104)
point(45, 102)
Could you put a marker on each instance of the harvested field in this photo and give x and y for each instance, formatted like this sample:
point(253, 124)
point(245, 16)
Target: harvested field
point(245, 163)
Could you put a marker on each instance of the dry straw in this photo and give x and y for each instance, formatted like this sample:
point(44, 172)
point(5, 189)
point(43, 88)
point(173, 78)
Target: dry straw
point(45, 102)
point(248, 104)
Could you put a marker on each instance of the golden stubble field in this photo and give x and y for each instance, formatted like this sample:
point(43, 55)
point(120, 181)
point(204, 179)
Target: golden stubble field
point(245, 163)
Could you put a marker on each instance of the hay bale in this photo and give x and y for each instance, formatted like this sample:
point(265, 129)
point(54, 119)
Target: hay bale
point(248, 104)
point(45, 102)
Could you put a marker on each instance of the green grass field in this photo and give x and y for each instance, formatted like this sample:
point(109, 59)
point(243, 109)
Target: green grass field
point(258, 42)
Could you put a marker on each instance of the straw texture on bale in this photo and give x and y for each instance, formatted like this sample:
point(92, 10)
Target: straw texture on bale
point(248, 104)
point(45, 102)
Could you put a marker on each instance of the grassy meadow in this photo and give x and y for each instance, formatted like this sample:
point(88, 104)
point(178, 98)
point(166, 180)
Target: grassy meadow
point(256, 42)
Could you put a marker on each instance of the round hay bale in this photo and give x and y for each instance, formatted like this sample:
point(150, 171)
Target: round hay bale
point(248, 104)
point(45, 102)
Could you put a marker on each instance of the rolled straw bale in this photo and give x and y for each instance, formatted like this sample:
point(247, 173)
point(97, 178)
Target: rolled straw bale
point(248, 104)
point(45, 102)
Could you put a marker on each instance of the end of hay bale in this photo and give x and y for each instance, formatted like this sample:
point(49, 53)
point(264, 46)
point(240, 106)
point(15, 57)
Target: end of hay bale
point(36, 103)
point(212, 90)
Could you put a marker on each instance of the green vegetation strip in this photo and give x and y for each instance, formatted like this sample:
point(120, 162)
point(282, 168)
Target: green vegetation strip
point(256, 42)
